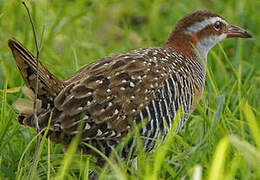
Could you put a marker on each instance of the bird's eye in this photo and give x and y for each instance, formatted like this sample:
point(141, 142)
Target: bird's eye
point(217, 25)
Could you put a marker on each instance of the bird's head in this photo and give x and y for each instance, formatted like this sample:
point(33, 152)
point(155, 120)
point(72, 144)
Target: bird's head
point(202, 30)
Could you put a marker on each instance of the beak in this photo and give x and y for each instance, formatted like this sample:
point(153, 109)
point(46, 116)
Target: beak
point(235, 31)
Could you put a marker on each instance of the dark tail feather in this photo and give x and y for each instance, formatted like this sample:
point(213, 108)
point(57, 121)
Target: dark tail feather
point(49, 85)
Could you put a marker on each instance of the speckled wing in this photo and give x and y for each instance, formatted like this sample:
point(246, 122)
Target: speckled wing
point(109, 93)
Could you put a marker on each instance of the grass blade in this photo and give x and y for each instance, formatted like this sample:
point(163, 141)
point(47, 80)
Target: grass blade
point(252, 123)
point(218, 163)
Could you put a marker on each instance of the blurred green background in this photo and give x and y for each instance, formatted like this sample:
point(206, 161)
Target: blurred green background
point(76, 32)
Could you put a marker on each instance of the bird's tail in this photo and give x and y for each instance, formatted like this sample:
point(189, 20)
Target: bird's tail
point(49, 85)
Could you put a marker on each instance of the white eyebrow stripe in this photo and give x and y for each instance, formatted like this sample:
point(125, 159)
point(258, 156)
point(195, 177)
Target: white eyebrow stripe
point(200, 25)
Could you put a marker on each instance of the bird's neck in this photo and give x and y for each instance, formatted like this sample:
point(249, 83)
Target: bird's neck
point(188, 46)
point(193, 50)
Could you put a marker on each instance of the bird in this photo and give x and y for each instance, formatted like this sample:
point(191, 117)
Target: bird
point(111, 96)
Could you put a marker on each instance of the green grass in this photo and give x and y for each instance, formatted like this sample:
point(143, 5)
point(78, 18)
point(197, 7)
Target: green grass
point(221, 139)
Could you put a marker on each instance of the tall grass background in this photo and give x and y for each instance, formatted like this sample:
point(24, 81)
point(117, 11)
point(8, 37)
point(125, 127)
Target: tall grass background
point(221, 139)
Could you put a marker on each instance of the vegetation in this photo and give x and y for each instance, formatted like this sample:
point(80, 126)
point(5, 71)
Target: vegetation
point(221, 139)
